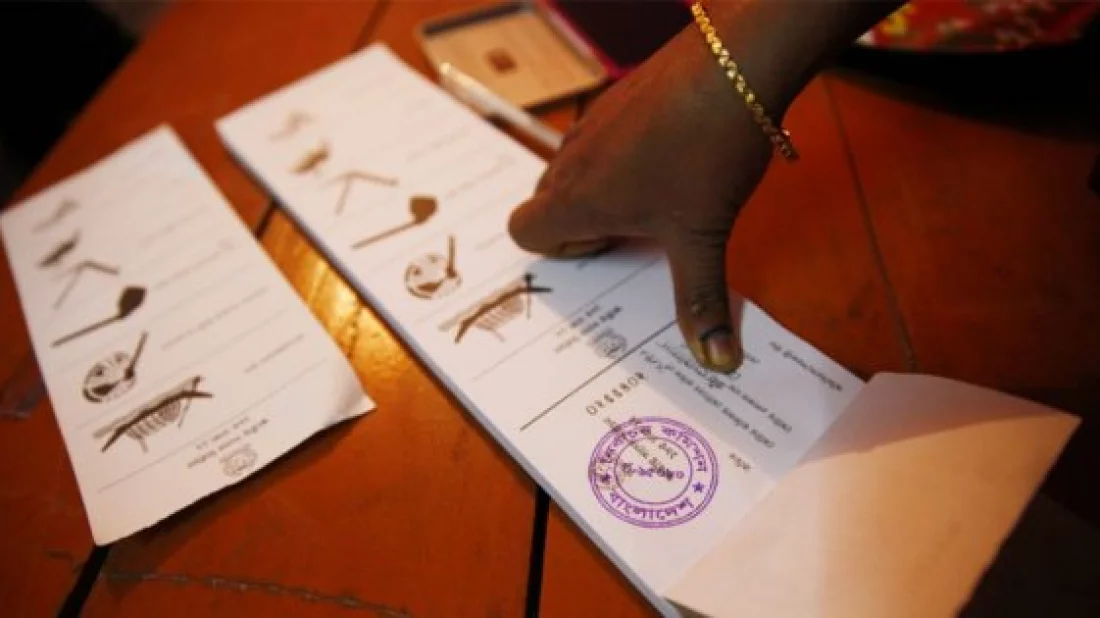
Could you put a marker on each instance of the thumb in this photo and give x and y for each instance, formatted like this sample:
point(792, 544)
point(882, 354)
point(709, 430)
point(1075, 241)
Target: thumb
point(554, 228)
point(709, 314)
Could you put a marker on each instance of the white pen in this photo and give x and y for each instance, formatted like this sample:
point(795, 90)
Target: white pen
point(488, 103)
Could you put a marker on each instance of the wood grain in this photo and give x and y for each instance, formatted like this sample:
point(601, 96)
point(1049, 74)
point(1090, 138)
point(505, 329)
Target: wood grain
point(46, 538)
point(801, 249)
point(991, 237)
point(578, 580)
point(201, 61)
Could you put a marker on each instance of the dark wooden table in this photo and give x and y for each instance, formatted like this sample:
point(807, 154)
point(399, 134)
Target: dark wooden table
point(908, 238)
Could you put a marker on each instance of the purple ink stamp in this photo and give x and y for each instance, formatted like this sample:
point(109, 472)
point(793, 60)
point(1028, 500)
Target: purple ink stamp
point(653, 472)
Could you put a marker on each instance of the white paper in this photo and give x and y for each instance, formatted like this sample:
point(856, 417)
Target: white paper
point(409, 193)
point(898, 510)
point(215, 367)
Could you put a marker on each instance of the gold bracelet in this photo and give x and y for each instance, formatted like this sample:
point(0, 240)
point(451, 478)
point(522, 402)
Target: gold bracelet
point(780, 137)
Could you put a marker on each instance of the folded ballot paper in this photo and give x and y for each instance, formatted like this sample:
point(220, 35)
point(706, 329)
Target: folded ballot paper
point(177, 357)
point(787, 489)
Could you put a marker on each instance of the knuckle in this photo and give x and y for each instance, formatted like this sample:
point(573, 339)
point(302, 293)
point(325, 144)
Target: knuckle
point(708, 296)
point(700, 249)
point(695, 223)
point(708, 239)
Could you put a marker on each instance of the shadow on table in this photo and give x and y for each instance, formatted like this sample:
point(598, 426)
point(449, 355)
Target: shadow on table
point(1047, 567)
point(1050, 565)
point(1072, 482)
point(140, 557)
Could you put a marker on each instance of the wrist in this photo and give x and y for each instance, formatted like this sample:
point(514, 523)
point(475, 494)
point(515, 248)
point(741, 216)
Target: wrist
point(782, 44)
point(705, 97)
point(772, 94)
point(774, 63)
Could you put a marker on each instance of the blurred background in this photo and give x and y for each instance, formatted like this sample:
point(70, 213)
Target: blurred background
point(56, 55)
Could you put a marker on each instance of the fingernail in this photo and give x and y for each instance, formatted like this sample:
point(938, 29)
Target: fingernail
point(583, 248)
point(720, 350)
point(697, 350)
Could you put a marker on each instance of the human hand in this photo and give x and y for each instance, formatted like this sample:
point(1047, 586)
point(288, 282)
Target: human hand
point(669, 153)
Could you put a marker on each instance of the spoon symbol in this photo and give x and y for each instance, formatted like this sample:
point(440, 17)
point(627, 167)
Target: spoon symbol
point(422, 208)
point(129, 301)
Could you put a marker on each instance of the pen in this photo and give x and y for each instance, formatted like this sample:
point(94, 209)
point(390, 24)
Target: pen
point(488, 103)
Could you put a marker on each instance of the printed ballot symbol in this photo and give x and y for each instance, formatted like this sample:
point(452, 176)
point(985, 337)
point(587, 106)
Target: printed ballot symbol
point(129, 300)
point(113, 376)
point(64, 209)
point(240, 460)
point(74, 275)
point(433, 275)
point(166, 410)
point(608, 343)
point(311, 159)
point(58, 254)
point(421, 209)
point(347, 181)
point(502, 308)
point(293, 123)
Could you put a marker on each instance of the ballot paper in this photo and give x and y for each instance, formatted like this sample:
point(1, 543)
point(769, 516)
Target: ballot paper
point(576, 367)
point(177, 358)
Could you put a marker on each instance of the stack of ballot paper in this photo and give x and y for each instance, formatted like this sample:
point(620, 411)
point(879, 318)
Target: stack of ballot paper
point(177, 358)
point(787, 489)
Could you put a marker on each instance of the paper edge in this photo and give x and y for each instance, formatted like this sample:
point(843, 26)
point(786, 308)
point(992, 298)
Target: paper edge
point(1073, 422)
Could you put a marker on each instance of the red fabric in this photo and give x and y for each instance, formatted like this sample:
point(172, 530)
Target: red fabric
point(982, 25)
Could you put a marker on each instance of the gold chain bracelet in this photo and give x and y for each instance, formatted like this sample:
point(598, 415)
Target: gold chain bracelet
point(780, 137)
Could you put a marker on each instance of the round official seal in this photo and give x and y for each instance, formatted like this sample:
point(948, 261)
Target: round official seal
point(238, 461)
point(653, 472)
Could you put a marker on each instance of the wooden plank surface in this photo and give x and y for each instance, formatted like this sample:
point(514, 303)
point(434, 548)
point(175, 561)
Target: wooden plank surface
point(46, 538)
point(989, 249)
point(412, 510)
point(801, 249)
point(991, 236)
point(201, 61)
